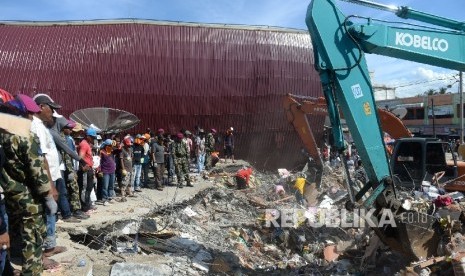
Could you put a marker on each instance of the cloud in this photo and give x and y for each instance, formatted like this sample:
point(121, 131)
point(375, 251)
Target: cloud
point(409, 78)
point(430, 74)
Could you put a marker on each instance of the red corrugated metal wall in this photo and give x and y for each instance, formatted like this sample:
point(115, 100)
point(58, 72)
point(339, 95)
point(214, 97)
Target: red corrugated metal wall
point(171, 76)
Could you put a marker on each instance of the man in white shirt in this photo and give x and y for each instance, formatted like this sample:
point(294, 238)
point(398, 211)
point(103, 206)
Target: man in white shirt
point(48, 149)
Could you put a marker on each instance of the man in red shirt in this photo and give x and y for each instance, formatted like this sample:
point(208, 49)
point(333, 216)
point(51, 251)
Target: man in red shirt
point(86, 173)
point(242, 178)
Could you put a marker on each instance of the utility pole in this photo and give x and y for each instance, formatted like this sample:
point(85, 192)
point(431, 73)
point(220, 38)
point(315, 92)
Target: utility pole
point(432, 113)
point(461, 106)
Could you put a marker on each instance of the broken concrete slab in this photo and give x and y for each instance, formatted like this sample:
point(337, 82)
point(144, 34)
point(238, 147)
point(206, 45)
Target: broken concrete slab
point(131, 269)
point(200, 260)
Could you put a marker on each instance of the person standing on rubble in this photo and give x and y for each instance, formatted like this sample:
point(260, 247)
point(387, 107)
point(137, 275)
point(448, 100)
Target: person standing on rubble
point(209, 148)
point(181, 161)
point(229, 145)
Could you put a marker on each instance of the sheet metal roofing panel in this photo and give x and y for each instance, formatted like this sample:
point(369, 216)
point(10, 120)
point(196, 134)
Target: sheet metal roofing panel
point(171, 76)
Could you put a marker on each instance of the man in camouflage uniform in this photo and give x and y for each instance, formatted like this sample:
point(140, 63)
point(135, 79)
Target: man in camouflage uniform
point(209, 148)
point(26, 186)
point(72, 186)
point(181, 161)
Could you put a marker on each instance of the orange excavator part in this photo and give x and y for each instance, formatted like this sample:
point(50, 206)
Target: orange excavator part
point(297, 107)
point(392, 125)
point(296, 112)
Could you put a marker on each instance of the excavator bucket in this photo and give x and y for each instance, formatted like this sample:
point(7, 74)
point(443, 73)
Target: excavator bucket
point(415, 240)
point(414, 234)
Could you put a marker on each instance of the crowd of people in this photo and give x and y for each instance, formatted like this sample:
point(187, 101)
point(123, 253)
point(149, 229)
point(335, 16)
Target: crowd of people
point(52, 168)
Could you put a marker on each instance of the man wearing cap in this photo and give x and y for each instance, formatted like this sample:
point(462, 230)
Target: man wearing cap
point(27, 187)
point(209, 148)
point(181, 157)
point(158, 157)
point(48, 149)
point(60, 132)
point(64, 153)
point(86, 172)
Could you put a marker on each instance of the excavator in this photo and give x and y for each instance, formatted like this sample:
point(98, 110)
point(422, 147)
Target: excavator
point(339, 45)
point(298, 107)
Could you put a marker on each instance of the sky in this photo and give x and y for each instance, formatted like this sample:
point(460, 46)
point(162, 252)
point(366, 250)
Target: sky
point(408, 78)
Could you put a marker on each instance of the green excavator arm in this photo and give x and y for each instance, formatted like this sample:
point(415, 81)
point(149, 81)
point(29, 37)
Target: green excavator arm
point(339, 44)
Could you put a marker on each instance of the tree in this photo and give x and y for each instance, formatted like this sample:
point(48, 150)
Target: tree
point(443, 90)
point(430, 92)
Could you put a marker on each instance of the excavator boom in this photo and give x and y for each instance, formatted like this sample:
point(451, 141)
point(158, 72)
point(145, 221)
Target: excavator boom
point(339, 45)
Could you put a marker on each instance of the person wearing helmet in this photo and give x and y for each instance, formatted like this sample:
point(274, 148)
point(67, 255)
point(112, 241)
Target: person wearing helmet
point(181, 161)
point(85, 172)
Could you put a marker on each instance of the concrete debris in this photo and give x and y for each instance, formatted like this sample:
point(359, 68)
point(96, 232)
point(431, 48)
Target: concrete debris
point(130, 269)
point(265, 229)
point(189, 212)
point(201, 259)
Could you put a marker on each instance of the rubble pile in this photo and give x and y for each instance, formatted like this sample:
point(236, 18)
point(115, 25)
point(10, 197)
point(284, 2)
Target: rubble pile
point(226, 231)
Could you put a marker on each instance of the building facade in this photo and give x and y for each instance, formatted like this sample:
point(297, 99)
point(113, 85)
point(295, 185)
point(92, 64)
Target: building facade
point(420, 110)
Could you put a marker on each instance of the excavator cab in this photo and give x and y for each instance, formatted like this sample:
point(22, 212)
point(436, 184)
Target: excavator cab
point(415, 160)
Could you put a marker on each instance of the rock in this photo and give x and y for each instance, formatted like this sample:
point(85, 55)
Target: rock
point(190, 271)
point(220, 194)
point(220, 265)
point(129, 269)
point(311, 195)
point(148, 225)
point(244, 234)
point(200, 260)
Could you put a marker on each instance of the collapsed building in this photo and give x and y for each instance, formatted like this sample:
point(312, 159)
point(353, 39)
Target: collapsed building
point(171, 75)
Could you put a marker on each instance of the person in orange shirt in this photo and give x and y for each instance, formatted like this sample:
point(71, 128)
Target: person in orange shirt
point(242, 178)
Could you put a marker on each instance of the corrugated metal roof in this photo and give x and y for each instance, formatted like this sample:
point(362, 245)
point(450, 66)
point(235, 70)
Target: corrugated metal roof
point(170, 76)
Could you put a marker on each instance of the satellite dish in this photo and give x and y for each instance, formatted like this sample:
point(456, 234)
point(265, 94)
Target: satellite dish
point(400, 112)
point(105, 120)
